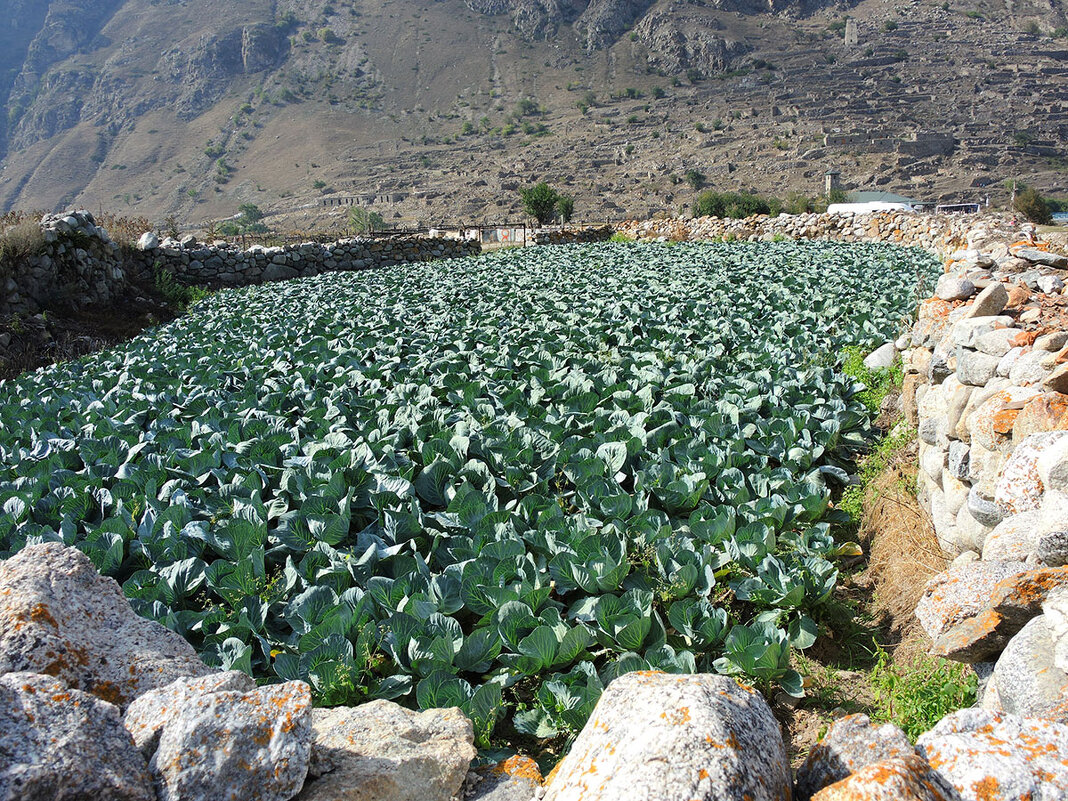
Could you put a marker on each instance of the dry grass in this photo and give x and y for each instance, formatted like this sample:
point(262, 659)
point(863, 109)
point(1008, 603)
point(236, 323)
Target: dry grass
point(20, 240)
point(904, 550)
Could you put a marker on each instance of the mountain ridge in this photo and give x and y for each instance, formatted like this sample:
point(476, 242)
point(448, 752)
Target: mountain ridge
point(441, 110)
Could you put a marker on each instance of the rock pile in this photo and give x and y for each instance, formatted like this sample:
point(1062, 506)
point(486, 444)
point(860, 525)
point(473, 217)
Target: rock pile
point(934, 232)
point(570, 236)
point(75, 265)
point(223, 264)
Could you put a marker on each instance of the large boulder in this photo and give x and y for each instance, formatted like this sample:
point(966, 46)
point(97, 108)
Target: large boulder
point(987, 755)
point(960, 593)
point(676, 738)
point(901, 778)
point(1020, 487)
point(253, 746)
point(57, 743)
point(60, 617)
point(147, 715)
point(383, 752)
point(852, 743)
point(1026, 678)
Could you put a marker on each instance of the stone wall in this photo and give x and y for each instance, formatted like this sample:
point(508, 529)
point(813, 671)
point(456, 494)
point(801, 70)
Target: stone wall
point(76, 265)
point(223, 264)
point(938, 233)
point(987, 386)
point(569, 236)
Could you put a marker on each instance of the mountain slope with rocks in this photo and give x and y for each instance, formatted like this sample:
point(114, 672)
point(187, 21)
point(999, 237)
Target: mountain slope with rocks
point(428, 112)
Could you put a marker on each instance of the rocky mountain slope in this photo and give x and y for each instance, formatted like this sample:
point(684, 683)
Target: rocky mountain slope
point(434, 111)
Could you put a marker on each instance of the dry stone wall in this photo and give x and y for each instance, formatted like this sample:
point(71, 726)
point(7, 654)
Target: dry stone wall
point(76, 265)
point(223, 264)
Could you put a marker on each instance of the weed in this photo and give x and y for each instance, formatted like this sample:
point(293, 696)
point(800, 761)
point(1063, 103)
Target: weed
point(180, 295)
point(916, 696)
point(878, 383)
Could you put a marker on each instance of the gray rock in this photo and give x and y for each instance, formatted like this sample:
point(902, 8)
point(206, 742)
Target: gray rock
point(59, 615)
point(1055, 610)
point(967, 331)
point(1052, 548)
point(148, 241)
point(960, 593)
point(957, 463)
point(950, 287)
point(1008, 360)
point(1050, 284)
point(968, 748)
point(515, 779)
point(1042, 257)
point(279, 272)
point(989, 302)
point(1052, 342)
point(899, 778)
point(147, 715)
point(1029, 683)
point(985, 512)
point(882, 357)
point(668, 737)
point(57, 743)
point(237, 745)
point(997, 343)
point(1030, 368)
point(850, 744)
point(975, 368)
point(383, 751)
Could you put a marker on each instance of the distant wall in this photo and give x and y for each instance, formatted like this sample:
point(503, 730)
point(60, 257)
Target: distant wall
point(227, 265)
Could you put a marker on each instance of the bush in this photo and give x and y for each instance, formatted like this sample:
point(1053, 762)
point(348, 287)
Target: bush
point(735, 205)
point(917, 696)
point(1033, 206)
point(565, 208)
point(695, 178)
point(539, 201)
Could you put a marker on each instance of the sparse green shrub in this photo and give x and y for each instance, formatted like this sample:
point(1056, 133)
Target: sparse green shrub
point(179, 295)
point(362, 221)
point(695, 178)
point(735, 205)
point(1033, 206)
point(565, 208)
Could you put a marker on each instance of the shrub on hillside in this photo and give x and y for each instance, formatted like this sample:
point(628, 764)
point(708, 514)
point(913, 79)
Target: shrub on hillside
point(730, 204)
point(1033, 206)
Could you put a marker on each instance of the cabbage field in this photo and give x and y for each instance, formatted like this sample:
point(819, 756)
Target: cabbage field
point(495, 483)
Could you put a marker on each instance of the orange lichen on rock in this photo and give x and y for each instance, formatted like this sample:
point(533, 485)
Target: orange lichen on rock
point(520, 767)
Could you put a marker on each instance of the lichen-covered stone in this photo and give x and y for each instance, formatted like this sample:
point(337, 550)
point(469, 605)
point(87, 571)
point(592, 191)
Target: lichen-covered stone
point(1020, 487)
point(852, 743)
point(515, 779)
point(1029, 682)
point(1046, 412)
point(57, 743)
point(990, 424)
point(147, 715)
point(1013, 602)
point(959, 593)
point(380, 751)
point(676, 738)
point(60, 617)
point(901, 778)
point(252, 746)
point(995, 756)
point(991, 301)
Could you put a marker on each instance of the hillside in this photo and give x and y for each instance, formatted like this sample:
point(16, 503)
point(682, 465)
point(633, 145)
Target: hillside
point(438, 111)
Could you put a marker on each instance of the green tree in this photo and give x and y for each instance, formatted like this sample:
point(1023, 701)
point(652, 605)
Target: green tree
point(539, 201)
point(565, 208)
point(1033, 206)
point(250, 213)
point(362, 221)
point(695, 178)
